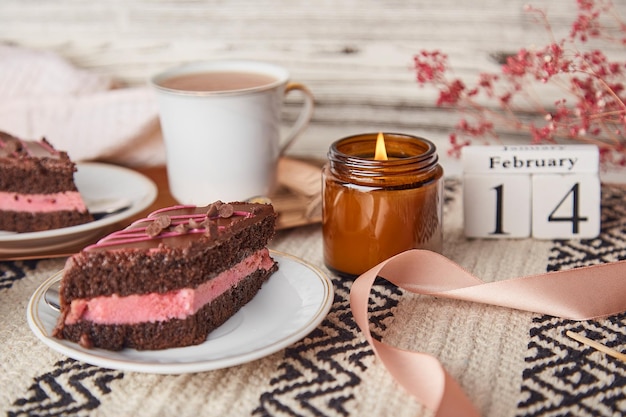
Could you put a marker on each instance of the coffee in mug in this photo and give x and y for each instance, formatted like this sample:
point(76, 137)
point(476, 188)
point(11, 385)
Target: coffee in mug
point(217, 81)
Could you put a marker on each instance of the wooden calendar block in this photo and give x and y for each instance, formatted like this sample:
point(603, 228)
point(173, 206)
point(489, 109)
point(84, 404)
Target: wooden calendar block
point(497, 206)
point(565, 206)
point(543, 191)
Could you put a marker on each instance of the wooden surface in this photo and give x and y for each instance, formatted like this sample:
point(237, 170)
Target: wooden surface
point(164, 198)
point(355, 55)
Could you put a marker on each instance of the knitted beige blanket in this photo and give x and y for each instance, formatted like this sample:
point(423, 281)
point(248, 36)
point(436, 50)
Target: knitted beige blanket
point(510, 363)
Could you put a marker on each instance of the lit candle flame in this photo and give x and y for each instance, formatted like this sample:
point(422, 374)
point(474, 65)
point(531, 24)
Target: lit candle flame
point(381, 151)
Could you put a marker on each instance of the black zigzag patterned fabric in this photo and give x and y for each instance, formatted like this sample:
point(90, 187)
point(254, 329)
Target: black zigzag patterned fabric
point(318, 374)
point(14, 271)
point(71, 388)
point(564, 378)
point(328, 373)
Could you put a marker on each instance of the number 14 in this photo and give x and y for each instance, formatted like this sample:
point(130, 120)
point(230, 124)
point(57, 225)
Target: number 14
point(575, 218)
point(560, 208)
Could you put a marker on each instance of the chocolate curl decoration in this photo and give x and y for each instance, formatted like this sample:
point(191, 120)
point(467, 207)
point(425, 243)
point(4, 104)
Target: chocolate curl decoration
point(226, 210)
point(158, 225)
point(578, 294)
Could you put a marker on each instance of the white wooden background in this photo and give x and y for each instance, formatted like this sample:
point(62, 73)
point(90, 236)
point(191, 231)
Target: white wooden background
point(355, 55)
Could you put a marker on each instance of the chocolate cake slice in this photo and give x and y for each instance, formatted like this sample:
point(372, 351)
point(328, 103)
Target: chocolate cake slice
point(167, 280)
point(37, 189)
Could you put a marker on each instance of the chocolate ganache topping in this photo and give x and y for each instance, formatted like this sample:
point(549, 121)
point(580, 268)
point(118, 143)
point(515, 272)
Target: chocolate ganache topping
point(178, 225)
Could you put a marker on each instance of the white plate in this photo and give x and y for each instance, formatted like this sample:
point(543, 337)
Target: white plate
point(95, 181)
point(289, 306)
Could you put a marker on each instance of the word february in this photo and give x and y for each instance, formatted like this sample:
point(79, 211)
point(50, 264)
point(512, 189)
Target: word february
point(550, 159)
point(532, 163)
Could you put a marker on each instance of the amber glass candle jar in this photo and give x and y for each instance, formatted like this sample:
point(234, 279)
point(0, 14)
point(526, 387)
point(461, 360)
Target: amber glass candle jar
point(374, 209)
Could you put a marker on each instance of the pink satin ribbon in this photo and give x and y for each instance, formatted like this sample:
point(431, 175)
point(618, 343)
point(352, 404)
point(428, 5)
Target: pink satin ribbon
point(578, 294)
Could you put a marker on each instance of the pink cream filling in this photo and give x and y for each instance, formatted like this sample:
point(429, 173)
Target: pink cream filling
point(42, 203)
point(154, 307)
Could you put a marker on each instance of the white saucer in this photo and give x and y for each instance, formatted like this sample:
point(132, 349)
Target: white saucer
point(95, 181)
point(289, 306)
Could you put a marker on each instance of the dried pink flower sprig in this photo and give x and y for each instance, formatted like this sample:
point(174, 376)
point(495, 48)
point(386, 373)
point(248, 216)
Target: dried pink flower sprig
point(591, 110)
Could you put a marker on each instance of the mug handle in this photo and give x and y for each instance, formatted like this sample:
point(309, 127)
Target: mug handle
point(303, 118)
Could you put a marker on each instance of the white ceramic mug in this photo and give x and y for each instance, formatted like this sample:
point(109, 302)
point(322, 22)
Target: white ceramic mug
point(221, 126)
